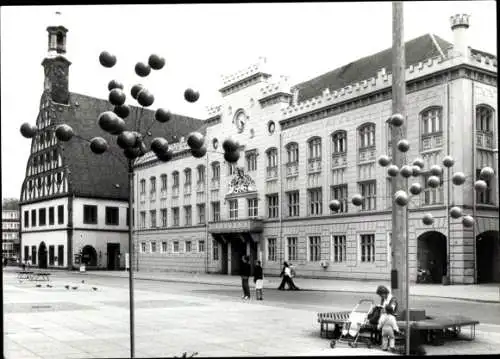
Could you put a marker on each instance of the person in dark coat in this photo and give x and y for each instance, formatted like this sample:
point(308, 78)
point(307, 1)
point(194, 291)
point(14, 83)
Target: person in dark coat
point(286, 273)
point(258, 278)
point(245, 274)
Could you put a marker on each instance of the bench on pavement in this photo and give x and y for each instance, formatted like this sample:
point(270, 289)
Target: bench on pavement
point(40, 276)
point(24, 275)
point(336, 319)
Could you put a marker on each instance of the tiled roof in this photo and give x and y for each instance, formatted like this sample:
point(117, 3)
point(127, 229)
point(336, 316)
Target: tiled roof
point(98, 175)
point(416, 50)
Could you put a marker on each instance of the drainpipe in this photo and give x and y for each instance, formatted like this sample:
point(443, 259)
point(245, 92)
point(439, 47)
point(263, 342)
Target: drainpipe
point(448, 186)
point(281, 199)
point(207, 213)
point(474, 249)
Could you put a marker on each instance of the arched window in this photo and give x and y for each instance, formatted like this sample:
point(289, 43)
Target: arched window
point(163, 179)
point(484, 116)
point(366, 135)
point(292, 153)
point(314, 145)
point(152, 181)
point(272, 157)
point(339, 142)
point(175, 179)
point(201, 174)
point(143, 186)
point(187, 176)
point(431, 120)
point(215, 171)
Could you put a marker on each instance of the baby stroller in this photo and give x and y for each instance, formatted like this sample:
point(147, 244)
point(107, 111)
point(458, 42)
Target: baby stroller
point(352, 327)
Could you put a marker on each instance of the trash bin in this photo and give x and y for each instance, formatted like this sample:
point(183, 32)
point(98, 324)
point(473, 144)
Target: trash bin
point(82, 268)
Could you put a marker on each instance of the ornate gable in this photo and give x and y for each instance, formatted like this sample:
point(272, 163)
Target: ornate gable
point(241, 184)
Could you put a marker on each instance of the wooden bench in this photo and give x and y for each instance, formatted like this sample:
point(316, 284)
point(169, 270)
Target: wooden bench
point(24, 275)
point(337, 319)
point(40, 276)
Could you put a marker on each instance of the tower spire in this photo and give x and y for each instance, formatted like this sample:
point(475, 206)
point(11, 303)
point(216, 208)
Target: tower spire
point(57, 36)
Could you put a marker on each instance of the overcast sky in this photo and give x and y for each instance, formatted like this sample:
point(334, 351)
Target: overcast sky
point(199, 43)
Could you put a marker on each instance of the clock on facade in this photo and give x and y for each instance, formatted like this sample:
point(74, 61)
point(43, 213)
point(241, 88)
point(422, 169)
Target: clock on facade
point(240, 121)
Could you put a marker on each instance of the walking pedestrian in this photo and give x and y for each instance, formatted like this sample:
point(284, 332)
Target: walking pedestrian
point(258, 278)
point(292, 275)
point(284, 279)
point(245, 274)
point(286, 273)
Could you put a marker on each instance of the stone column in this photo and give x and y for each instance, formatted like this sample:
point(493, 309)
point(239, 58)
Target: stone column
point(229, 267)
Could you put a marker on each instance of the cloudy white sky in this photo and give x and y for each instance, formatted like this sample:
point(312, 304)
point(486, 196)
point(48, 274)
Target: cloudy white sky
point(199, 43)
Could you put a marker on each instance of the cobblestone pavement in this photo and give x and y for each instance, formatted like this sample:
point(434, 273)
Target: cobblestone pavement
point(55, 322)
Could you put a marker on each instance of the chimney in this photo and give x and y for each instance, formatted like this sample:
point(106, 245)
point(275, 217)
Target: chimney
point(459, 26)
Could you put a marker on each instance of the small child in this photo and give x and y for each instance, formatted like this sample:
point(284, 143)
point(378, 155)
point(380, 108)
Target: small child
point(388, 324)
point(258, 278)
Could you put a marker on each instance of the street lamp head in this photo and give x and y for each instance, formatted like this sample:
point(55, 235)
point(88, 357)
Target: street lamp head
point(396, 120)
point(401, 198)
point(467, 221)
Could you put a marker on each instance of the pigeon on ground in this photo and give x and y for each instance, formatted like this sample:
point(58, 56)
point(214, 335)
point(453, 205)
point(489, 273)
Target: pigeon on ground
point(48, 285)
point(83, 281)
point(38, 285)
point(74, 288)
point(66, 286)
point(94, 288)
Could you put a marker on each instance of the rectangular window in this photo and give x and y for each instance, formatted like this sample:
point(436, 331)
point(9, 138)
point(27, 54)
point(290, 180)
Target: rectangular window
point(315, 201)
point(163, 179)
point(231, 168)
point(314, 249)
point(89, 214)
point(42, 217)
point(26, 219)
point(175, 179)
point(368, 191)
point(216, 211)
point(188, 246)
point(292, 243)
point(233, 209)
point(51, 215)
point(175, 216)
point(153, 185)
point(26, 253)
point(164, 247)
point(253, 208)
point(293, 202)
point(60, 214)
point(215, 171)
point(215, 249)
point(153, 247)
point(187, 177)
point(142, 219)
point(272, 206)
point(33, 255)
point(112, 216)
point(152, 215)
point(163, 217)
point(251, 161)
point(201, 174)
point(143, 247)
point(431, 121)
point(432, 195)
point(340, 193)
point(315, 149)
point(175, 246)
point(143, 186)
point(292, 153)
point(271, 249)
point(187, 215)
point(51, 253)
point(201, 213)
point(368, 248)
point(60, 255)
point(339, 249)
point(201, 246)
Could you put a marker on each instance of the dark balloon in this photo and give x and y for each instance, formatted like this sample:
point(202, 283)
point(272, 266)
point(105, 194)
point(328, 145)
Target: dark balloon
point(195, 140)
point(145, 98)
point(159, 144)
point(230, 145)
point(200, 152)
point(165, 156)
point(126, 139)
point(191, 95)
point(134, 91)
point(232, 156)
point(123, 111)
point(64, 132)
point(106, 59)
point(117, 97)
point(131, 153)
point(156, 62)
point(162, 115)
point(114, 84)
point(98, 145)
point(142, 69)
point(28, 130)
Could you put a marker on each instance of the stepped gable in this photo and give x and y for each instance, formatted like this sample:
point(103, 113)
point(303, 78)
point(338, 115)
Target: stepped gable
point(97, 175)
point(416, 50)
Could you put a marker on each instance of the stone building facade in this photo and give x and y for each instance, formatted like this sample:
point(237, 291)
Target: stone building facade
point(307, 144)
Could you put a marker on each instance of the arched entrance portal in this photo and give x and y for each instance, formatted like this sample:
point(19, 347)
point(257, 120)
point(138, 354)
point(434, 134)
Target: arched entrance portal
point(42, 256)
point(432, 254)
point(488, 257)
point(89, 256)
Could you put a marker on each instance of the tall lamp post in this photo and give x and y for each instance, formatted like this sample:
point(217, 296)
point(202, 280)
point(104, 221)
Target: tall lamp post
point(132, 142)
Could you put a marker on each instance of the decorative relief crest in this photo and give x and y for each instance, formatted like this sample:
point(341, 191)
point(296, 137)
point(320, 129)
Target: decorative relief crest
point(241, 183)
